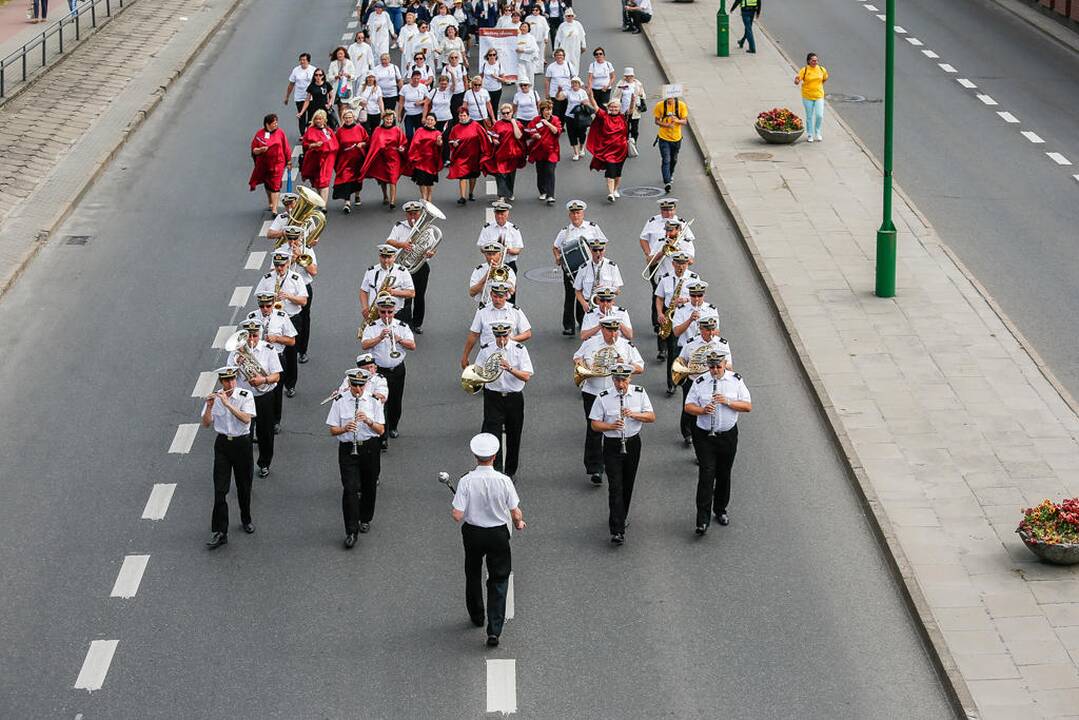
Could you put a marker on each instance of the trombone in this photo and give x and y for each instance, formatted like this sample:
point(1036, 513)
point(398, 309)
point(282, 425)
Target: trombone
point(670, 247)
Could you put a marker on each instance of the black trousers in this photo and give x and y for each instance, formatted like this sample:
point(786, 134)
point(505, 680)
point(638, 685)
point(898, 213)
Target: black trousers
point(512, 264)
point(571, 309)
point(671, 345)
point(545, 177)
point(505, 411)
point(553, 24)
point(593, 441)
point(494, 544)
point(359, 482)
point(303, 119)
point(504, 183)
point(687, 421)
point(415, 309)
point(621, 474)
point(496, 98)
point(303, 336)
point(715, 458)
point(232, 458)
point(602, 96)
point(265, 419)
point(291, 367)
point(279, 391)
point(559, 110)
point(655, 313)
point(395, 379)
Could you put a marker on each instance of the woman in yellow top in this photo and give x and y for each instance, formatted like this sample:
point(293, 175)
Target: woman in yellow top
point(812, 78)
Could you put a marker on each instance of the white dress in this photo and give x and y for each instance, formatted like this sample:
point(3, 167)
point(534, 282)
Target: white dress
point(529, 60)
point(571, 38)
point(439, 23)
point(362, 60)
point(427, 43)
point(379, 30)
point(405, 40)
point(448, 46)
point(540, 30)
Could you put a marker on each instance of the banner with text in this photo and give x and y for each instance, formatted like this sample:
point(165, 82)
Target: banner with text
point(504, 42)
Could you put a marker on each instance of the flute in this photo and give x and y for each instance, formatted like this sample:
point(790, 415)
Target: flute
point(712, 415)
point(622, 417)
point(356, 411)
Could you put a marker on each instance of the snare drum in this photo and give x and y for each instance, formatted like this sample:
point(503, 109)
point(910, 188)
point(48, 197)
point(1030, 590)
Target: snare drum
point(574, 253)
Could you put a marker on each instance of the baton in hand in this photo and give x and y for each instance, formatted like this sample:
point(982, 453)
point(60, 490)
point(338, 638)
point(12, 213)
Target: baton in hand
point(444, 478)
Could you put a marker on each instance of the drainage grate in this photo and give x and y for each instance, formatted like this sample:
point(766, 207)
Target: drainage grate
point(641, 192)
point(762, 156)
point(545, 275)
point(77, 239)
point(843, 98)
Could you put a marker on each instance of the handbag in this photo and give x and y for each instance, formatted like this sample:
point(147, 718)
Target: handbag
point(344, 90)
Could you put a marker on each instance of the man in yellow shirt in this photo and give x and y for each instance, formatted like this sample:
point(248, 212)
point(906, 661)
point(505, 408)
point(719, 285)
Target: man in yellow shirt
point(670, 115)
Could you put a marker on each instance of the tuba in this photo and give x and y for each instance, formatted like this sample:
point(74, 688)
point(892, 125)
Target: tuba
point(424, 237)
point(475, 376)
point(249, 366)
point(602, 362)
point(307, 212)
point(697, 364)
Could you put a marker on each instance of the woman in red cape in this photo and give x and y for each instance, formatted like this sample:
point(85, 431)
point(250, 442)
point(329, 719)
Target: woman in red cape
point(544, 150)
point(271, 152)
point(351, 144)
point(608, 141)
point(425, 156)
point(469, 147)
point(383, 161)
point(509, 152)
point(319, 152)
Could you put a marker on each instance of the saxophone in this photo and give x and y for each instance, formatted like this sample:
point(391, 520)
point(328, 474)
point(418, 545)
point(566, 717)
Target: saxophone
point(667, 327)
point(372, 307)
point(475, 376)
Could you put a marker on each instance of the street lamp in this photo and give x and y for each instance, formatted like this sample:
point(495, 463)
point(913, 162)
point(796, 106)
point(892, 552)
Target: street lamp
point(886, 241)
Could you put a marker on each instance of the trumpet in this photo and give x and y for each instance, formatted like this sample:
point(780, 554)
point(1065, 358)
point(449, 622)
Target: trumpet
point(670, 247)
point(497, 273)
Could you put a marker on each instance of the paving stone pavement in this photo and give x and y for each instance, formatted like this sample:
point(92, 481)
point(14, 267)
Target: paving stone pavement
point(947, 419)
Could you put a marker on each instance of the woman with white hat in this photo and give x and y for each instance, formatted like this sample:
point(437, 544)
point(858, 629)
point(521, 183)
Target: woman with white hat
point(631, 96)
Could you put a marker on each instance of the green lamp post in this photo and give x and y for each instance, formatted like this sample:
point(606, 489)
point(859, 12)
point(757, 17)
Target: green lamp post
point(886, 236)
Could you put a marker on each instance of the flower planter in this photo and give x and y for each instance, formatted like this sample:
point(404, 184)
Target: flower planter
point(778, 137)
point(1055, 554)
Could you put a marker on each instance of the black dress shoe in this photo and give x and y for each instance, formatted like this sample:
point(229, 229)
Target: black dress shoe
point(492, 641)
point(471, 197)
point(702, 529)
point(661, 355)
point(290, 392)
point(384, 446)
point(418, 330)
point(249, 527)
point(350, 541)
point(277, 429)
point(687, 440)
point(567, 331)
point(217, 540)
point(596, 479)
point(394, 434)
point(461, 201)
point(722, 519)
point(478, 621)
point(741, 42)
point(618, 538)
point(302, 358)
point(365, 527)
point(264, 471)
point(670, 391)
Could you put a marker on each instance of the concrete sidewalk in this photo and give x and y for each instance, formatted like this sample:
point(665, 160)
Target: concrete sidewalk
point(948, 421)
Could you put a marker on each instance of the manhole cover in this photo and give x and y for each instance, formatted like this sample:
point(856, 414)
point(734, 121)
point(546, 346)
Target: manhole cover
point(753, 156)
point(545, 275)
point(77, 240)
point(840, 97)
point(642, 192)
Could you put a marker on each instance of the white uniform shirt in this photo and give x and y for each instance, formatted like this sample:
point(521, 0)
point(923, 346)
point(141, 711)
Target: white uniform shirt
point(731, 387)
point(224, 421)
point(593, 275)
point(488, 315)
point(717, 343)
point(375, 276)
point(343, 411)
point(516, 355)
point(290, 283)
point(305, 276)
point(401, 231)
point(654, 233)
point(510, 234)
point(606, 408)
point(382, 350)
point(279, 223)
point(267, 358)
point(682, 313)
point(480, 272)
point(375, 384)
point(666, 285)
point(276, 323)
point(485, 496)
point(588, 230)
point(626, 353)
point(592, 317)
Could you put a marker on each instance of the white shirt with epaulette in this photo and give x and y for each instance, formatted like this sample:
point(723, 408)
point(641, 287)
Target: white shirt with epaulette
point(489, 314)
point(382, 350)
point(290, 283)
point(267, 357)
point(509, 234)
point(588, 230)
point(480, 273)
point(376, 385)
point(516, 355)
point(656, 228)
point(626, 353)
point(592, 275)
point(666, 265)
point(401, 231)
point(376, 275)
point(592, 317)
point(279, 223)
point(695, 343)
point(666, 285)
point(307, 277)
point(729, 386)
point(343, 411)
point(683, 313)
point(607, 409)
point(276, 323)
point(224, 421)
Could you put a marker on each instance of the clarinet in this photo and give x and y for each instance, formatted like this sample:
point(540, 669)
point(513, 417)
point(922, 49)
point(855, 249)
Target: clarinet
point(356, 411)
point(712, 415)
point(622, 436)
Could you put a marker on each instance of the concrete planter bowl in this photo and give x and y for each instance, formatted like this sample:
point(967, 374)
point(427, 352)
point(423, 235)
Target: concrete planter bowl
point(778, 137)
point(1054, 554)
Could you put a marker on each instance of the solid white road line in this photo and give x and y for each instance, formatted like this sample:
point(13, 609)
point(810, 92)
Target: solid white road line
point(491, 187)
point(901, 30)
point(946, 67)
point(265, 228)
point(502, 686)
point(987, 100)
point(1058, 158)
point(222, 335)
point(96, 665)
point(240, 295)
point(510, 606)
point(914, 41)
point(1033, 137)
point(1076, 178)
point(966, 83)
point(352, 23)
point(205, 384)
point(184, 437)
point(255, 260)
point(127, 581)
point(1008, 117)
point(930, 54)
point(158, 503)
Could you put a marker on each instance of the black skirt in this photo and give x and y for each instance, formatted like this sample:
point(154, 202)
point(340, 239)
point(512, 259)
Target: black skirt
point(424, 179)
point(345, 191)
point(614, 170)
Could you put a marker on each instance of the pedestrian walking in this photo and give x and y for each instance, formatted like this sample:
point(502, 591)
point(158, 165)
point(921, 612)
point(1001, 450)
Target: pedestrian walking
point(580, 110)
point(380, 29)
point(271, 154)
point(290, 295)
point(413, 104)
point(544, 150)
point(425, 157)
point(716, 399)
point(362, 57)
point(470, 146)
point(608, 141)
point(630, 94)
point(812, 77)
point(230, 411)
point(298, 80)
point(369, 99)
point(357, 420)
point(485, 503)
point(388, 339)
point(319, 155)
point(341, 74)
point(525, 105)
point(540, 29)
point(529, 55)
point(601, 78)
point(389, 81)
point(751, 10)
point(670, 114)
point(493, 76)
point(384, 156)
point(508, 155)
point(320, 96)
point(572, 39)
point(351, 147)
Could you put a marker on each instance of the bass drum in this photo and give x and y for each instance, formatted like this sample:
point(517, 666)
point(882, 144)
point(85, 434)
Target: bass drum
point(574, 254)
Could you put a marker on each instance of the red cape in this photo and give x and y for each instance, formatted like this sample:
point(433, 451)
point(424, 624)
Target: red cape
point(509, 153)
point(608, 139)
point(383, 162)
point(424, 153)
point(349, 159)
point(317, 166)
point(467, 157)
point(545, 143)
point(270, 165)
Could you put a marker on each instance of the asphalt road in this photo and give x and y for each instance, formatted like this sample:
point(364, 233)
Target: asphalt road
point(789, 612)
point(1009, 211)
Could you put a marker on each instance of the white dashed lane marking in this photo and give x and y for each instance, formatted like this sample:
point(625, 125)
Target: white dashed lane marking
point(946, 67)
point(239, 296)
point(96, 665)
point(1075, 177)
point(265, 228)
point(882, 18)
point(966, 83)
point(158, 503)
point(184, 437)
point(502, 686)
point(914, 41)
point(870, 8)
point(255, 260)
point(492, 188)
point(1008, 117)
point(930, 54)
point(901, 30)
point(352, 23)
point(222, 335)
point(489, 215)
point(1058, 158)
point(346, 36)
point(204, 384)
point(510, 605)
point(1031, 136)
point(127, 581)
point(987, 100)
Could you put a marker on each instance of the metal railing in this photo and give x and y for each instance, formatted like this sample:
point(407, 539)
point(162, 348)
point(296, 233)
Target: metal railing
point(49, 44)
